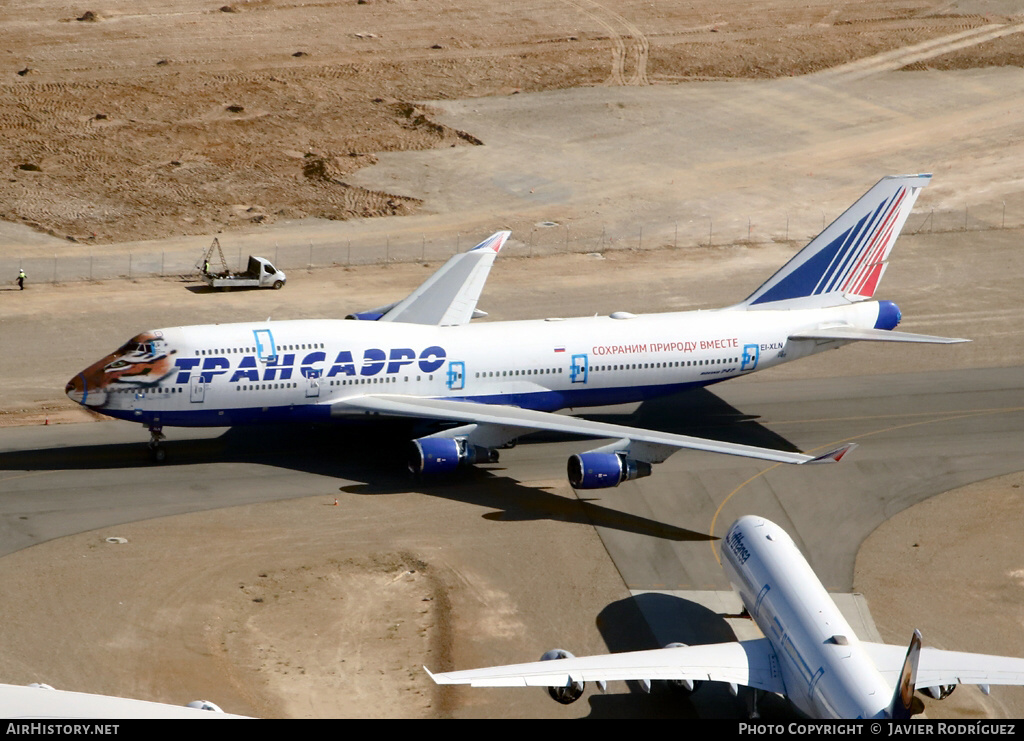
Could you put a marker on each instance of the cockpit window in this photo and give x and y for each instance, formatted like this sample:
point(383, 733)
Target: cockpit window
point(132, 347)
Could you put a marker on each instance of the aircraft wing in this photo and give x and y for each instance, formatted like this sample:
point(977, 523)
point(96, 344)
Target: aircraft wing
point(938, 667)
point(449, 296)
point(750, 663)
point(42, 701)
point(654, 446)
point(872, 335)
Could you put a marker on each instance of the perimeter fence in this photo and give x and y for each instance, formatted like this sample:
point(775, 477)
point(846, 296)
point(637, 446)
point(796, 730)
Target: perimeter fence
point(44, 264)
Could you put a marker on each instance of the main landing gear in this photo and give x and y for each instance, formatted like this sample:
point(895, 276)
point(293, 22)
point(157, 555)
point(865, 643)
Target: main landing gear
point(157, 451)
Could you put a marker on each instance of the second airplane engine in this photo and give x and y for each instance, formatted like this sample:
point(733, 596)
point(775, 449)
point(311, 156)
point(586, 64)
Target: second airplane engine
point(939, 692)
point(436, 455)
point(572, 691)
point(683, 685)
point(604, 470)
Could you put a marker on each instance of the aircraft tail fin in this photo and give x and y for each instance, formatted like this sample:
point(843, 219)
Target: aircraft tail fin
point(846, 261)
point(901, 707)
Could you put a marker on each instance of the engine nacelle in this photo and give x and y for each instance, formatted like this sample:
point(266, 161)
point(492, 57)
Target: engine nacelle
point(604, 470)
point(205, 705)
point(571, 692)
point(431, 456)
point(372, 315)
point(366, 316)
point(683, 685)
point(939, 692)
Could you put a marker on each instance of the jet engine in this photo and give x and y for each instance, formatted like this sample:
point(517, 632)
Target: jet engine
point(683, 685)
point(604, 470)
point(572, 691)
point(437, 455)
point(205, 705)
point(939, 692)
point(372, 315)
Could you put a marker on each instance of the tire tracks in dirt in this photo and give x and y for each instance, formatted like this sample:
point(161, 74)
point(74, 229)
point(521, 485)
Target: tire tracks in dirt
point(632, 45)
point(899, 58)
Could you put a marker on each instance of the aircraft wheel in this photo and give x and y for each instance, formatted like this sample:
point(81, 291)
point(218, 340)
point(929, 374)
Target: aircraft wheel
point(158, 453)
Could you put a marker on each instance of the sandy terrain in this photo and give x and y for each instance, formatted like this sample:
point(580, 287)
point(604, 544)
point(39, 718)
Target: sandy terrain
point(305, 609)
point(953, 552)
point(151, 120)
point(148, 119)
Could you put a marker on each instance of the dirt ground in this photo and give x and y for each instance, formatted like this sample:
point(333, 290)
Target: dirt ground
point(146, 120)
point(953, 548)
point(305, 609)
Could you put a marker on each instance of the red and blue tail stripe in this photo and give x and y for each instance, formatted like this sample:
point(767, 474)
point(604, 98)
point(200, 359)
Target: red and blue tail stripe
point(844, 263)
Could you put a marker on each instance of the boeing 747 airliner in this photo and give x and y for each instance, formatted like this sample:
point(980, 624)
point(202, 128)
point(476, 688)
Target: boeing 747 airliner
point(487, 384)
point(809, 653)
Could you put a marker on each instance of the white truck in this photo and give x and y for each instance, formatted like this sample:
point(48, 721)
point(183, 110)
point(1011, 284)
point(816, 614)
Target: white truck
point(259, 274)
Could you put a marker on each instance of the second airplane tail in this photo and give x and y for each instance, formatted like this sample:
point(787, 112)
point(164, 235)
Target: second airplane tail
point(902, 705)
point(846, 261)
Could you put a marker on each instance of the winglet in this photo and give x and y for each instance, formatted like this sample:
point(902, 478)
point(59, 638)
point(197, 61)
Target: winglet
point(901, 707)
point(494, 242)
point(833, 456)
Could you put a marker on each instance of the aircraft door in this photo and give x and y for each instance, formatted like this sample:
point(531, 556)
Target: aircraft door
point(265, 349)
point(197, 392)
point(579, 369)
point(456, 380)
point(751, 354)
point(312, 384)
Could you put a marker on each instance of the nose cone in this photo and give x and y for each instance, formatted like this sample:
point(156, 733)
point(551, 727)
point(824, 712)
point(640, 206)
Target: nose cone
point(143, 361)
point(75, 389)
point(80, 391)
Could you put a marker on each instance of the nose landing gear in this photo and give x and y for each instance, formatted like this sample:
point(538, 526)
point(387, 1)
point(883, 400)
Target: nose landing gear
point(157, 452)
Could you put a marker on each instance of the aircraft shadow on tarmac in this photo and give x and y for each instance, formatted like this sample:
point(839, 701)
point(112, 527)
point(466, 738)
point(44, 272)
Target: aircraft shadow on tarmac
point(631, 624)
point(700, 413)
point(695, 412)
point(375, 455)
point(513, 501)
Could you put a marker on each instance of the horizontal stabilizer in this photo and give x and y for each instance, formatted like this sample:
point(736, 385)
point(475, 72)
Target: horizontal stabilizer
point(872, 335)
point(939, 667)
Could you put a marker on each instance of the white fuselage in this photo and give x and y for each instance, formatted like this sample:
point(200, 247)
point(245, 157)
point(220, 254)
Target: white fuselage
point(219, 375)
point(826, 671)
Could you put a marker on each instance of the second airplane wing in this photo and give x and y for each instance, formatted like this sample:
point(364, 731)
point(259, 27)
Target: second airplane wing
point(748, 663)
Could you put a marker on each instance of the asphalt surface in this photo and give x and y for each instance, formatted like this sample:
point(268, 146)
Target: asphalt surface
point(919, 434)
